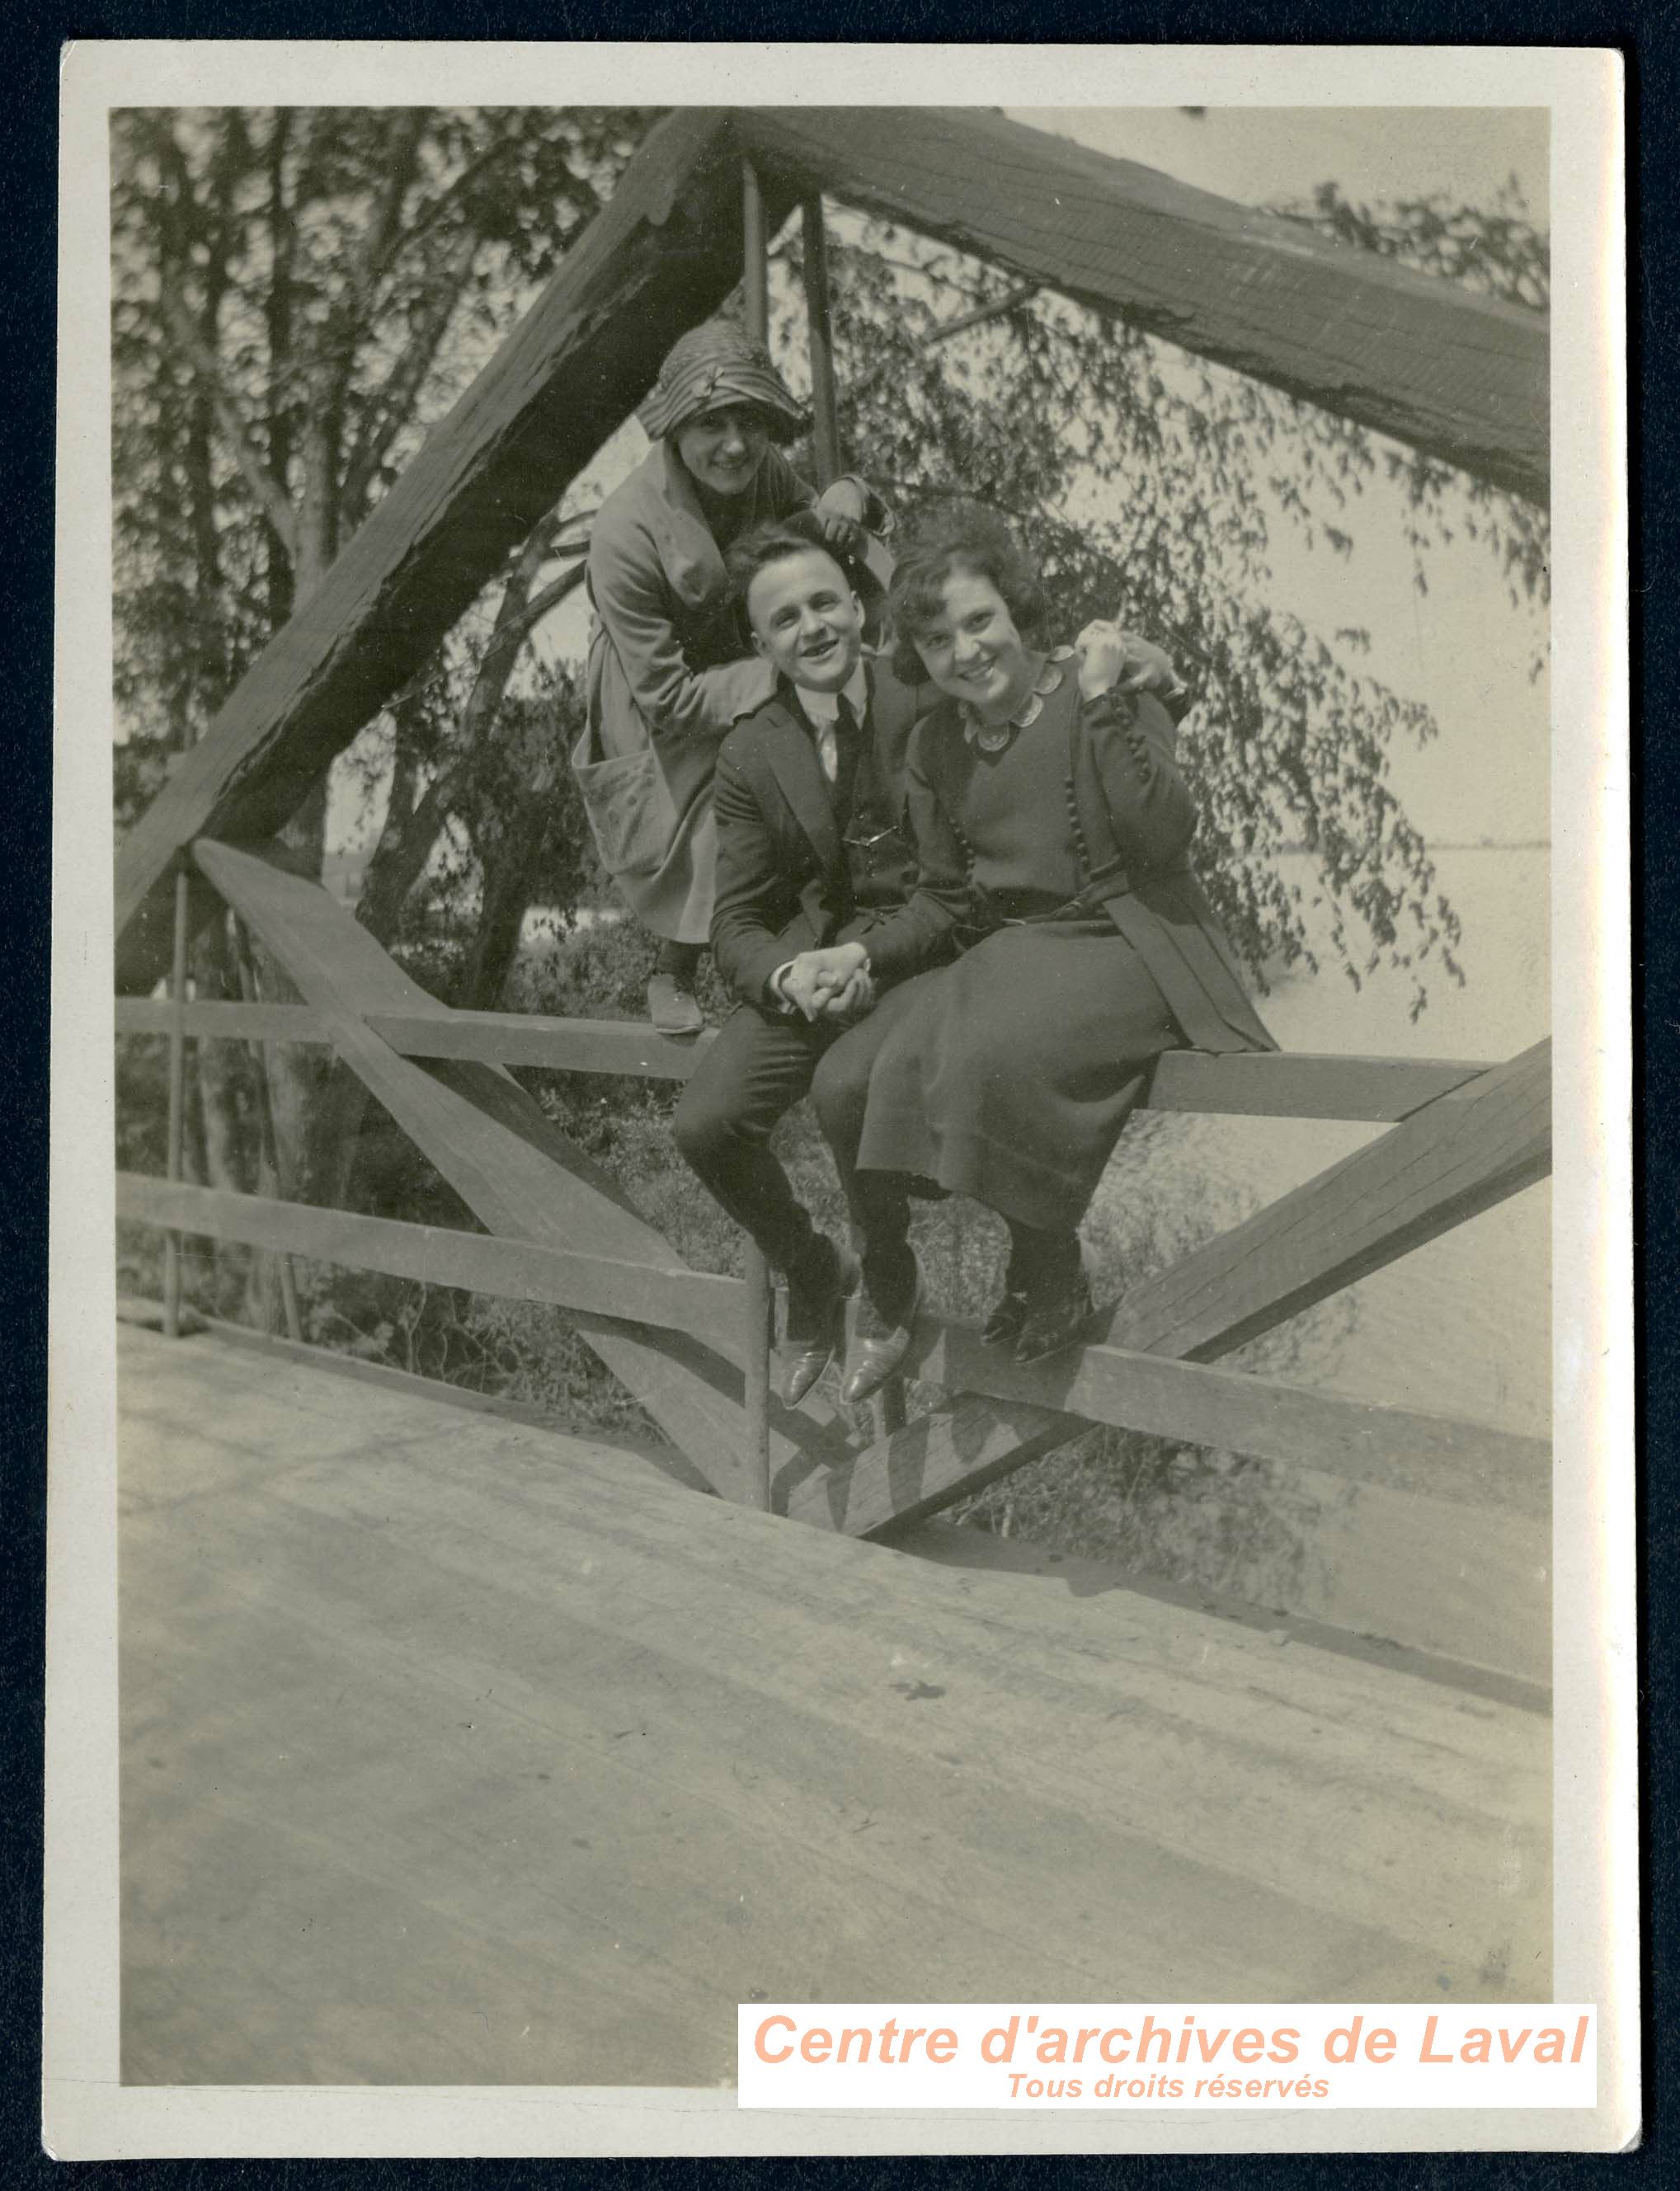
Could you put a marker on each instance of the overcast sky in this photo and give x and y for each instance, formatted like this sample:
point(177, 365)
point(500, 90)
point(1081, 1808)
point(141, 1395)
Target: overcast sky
point(1261, 156)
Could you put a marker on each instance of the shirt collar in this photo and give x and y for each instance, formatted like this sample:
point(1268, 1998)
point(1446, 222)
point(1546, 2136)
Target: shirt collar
point(825, 706)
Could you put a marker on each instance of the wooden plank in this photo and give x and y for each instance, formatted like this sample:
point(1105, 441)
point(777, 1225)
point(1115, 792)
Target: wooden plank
point(356, 1627)
point(953, 1451)
point(218, 1022)
point(1270, 1084)
point(1302, 1084)
point(1468, 1464)
point(1445, 1164)
point(564, 1046)
point(1297, 1084)
point(1460, 377)
point(514, 1169)
point(662, 254)
point(602, 1291)
point(1465, 1152)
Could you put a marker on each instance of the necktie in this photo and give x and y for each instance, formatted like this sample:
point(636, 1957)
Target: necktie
point(849, 740)
point(841, 725)
point(828, 749)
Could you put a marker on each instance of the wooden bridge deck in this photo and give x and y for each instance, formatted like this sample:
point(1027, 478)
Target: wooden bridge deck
point(457, 1751)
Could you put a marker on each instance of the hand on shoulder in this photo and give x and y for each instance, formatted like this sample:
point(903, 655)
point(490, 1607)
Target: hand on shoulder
point(1115, 659)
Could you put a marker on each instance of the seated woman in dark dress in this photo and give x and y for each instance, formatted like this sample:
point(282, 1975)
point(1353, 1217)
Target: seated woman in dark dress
point(1052, 822)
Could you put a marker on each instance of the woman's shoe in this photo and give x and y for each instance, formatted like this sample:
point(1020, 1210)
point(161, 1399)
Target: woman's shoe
point(673, 1009)
point(1055, 1321)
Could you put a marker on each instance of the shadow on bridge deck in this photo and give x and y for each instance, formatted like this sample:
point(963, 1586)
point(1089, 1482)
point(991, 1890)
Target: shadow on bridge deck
point(457, 1751)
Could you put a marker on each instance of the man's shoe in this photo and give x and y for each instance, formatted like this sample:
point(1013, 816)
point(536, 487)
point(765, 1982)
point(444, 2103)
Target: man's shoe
point(1057, 1321)
point(816, 1326)
point(673, 1009)
point(879, 1344)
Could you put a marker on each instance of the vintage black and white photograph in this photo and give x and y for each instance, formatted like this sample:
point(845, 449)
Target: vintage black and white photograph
point(832, 953)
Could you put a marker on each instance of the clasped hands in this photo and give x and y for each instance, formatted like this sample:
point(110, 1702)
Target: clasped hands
point(832, 984)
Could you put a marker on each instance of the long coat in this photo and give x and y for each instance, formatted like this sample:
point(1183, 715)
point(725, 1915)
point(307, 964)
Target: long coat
point(667, 676)
point(788, 879)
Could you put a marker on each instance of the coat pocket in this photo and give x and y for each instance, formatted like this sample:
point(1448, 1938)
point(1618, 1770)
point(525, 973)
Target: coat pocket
point(632, 815)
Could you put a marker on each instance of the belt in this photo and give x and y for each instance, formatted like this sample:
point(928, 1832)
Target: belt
point(1112, 882)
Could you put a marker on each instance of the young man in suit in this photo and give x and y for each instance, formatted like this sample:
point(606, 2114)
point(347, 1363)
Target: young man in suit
point(812, 917)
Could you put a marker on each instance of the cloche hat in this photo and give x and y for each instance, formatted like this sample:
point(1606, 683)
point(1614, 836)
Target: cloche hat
point(714, 364)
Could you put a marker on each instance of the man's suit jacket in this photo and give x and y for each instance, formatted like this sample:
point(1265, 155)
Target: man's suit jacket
point(790, 878)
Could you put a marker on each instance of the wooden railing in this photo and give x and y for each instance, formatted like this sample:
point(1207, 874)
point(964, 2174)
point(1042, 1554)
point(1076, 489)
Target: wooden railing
point(694, 1347)
point(1372, 1091)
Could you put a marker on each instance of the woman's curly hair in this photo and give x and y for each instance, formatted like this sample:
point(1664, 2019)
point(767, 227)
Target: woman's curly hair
point(965, 537)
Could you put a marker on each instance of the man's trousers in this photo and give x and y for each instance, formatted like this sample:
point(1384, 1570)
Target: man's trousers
point(758, 1068)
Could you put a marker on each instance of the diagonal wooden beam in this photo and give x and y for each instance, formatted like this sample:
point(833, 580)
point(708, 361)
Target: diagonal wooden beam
point(1457, 375)
point(513, 1168)
point(663, 253)
point(1460, 376)
point(1471, 1147)
point(1447, 1163)
point(597, 1289)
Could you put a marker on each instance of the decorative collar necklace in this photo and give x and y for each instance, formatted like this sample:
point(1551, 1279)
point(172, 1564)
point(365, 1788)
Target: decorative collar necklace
point(993, 737)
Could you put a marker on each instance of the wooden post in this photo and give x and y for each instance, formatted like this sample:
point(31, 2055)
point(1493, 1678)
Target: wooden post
point(177, 1130)
point(824, 415)
point(755, 255)
point(268, 1140)
point(887, 1412)
point(757, 1355)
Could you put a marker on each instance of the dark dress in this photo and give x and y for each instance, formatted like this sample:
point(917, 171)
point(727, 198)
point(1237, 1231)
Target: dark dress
point(1009, 1075)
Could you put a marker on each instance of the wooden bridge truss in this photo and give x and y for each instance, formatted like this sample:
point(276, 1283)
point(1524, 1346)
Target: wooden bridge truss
point(1458, 376)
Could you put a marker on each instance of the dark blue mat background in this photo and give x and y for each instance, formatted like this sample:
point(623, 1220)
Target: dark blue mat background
point(28, 216)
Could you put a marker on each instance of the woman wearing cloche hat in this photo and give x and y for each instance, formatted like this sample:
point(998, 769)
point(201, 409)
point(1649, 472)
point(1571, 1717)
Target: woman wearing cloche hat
point(668, 672)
